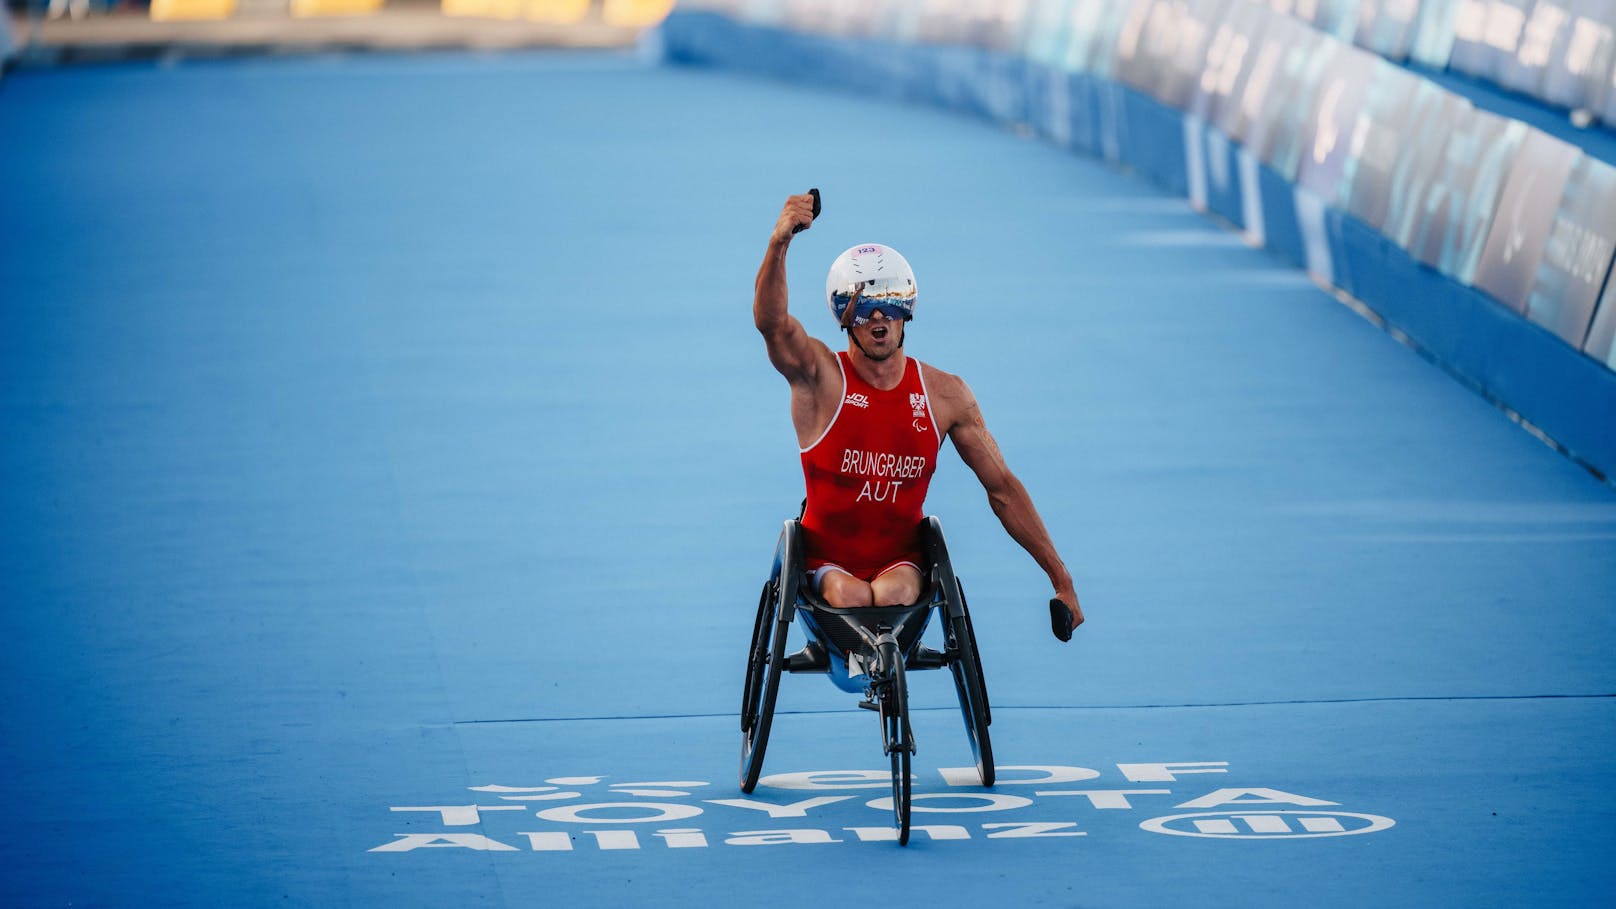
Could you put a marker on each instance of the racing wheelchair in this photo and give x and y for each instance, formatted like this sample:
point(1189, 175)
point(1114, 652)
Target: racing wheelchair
point(867, 649)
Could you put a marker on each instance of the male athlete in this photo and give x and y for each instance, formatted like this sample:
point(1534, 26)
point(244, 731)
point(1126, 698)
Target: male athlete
point(870, 422)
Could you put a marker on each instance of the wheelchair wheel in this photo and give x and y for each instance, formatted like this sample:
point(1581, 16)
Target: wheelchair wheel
point(899, 738)
point(763, 665)
point(972, 689)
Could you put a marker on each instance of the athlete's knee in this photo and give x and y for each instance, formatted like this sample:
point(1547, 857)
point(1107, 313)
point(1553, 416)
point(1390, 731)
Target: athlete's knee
point(845, 591)
point(899, 586)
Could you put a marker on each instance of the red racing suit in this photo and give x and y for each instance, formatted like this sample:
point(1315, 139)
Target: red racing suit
point(867, 476)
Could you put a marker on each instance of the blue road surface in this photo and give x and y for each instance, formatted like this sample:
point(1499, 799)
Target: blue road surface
point(390, 467)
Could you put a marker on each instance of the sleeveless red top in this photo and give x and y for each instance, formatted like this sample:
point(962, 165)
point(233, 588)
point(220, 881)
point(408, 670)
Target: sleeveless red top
point(867, 475)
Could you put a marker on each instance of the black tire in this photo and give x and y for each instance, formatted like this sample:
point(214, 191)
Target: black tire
point(969, 685)
point(764, 662)
point(976, 658)
point(754, 660)
point(899, 740)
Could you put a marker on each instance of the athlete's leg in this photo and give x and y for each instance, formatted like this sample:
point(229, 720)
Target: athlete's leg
point(841, 589)
point(898, 585)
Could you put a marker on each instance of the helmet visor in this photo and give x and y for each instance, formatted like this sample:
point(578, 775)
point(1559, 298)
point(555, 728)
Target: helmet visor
point(866, 310)
point(893, 296)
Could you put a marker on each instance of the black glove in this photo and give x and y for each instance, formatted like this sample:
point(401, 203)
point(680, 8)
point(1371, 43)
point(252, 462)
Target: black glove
point(815, 193)
point(1060, 619)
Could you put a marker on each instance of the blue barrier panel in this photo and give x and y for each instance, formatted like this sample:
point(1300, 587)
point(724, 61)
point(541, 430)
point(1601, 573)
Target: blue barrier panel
point(1571, 398)
point(1224, 192)
point(1358, 254)
point(1153, 139)
point(1046, 101)
point(953, 82)
point(1282, 229)
point(1452, 322)
point(1001, 87)
point(1087, 103)
point(1066, 107)
point(1111, 121)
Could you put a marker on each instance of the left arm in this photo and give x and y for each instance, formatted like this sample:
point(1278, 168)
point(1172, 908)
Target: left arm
point(1006, 495)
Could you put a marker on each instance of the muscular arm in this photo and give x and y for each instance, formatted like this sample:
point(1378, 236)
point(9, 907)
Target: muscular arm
point(1006, 494)
point(794, 353)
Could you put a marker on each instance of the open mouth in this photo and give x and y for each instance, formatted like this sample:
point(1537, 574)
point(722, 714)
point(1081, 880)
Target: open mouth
point(879, 332)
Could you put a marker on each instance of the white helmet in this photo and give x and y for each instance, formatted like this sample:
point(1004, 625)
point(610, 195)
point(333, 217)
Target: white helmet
point(870, 277)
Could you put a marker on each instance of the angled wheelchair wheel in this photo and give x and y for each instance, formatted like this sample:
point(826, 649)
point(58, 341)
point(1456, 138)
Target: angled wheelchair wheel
point(966, 667)
point(755, 661)
point(899, 738)
point(766, 658)
point(763, 666)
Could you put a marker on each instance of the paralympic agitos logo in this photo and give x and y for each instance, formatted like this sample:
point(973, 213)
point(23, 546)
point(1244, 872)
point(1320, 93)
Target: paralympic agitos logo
point(598, 813)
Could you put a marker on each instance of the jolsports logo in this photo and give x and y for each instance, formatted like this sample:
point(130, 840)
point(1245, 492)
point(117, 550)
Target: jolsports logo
point(857, 400)
point(633, 815)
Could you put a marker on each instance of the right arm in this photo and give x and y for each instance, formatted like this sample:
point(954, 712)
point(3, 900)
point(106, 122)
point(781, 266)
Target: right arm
point(794, 353)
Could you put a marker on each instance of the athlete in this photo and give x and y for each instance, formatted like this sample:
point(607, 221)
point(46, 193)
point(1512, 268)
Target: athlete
point(870, 421)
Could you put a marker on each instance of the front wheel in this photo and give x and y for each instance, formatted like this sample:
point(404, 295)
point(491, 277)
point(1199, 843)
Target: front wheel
point(899, 738)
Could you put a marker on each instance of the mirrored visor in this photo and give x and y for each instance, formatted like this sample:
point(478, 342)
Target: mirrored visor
point(893, 296)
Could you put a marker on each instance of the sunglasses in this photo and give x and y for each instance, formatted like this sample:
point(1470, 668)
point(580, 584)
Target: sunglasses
point(866, 310)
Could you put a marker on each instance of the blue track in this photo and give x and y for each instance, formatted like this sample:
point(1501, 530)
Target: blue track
point(377, 429)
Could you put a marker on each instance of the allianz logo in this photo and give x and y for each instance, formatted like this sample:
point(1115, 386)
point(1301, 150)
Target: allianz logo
point(1267, 825)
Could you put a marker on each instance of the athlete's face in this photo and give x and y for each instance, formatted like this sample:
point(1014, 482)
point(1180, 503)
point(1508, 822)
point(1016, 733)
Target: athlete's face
point(880, 337)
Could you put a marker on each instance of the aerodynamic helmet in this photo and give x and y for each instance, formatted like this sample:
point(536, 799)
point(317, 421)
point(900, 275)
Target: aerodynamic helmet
point(870, 277)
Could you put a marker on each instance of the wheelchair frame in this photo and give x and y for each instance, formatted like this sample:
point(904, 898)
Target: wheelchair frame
point(884, 641)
